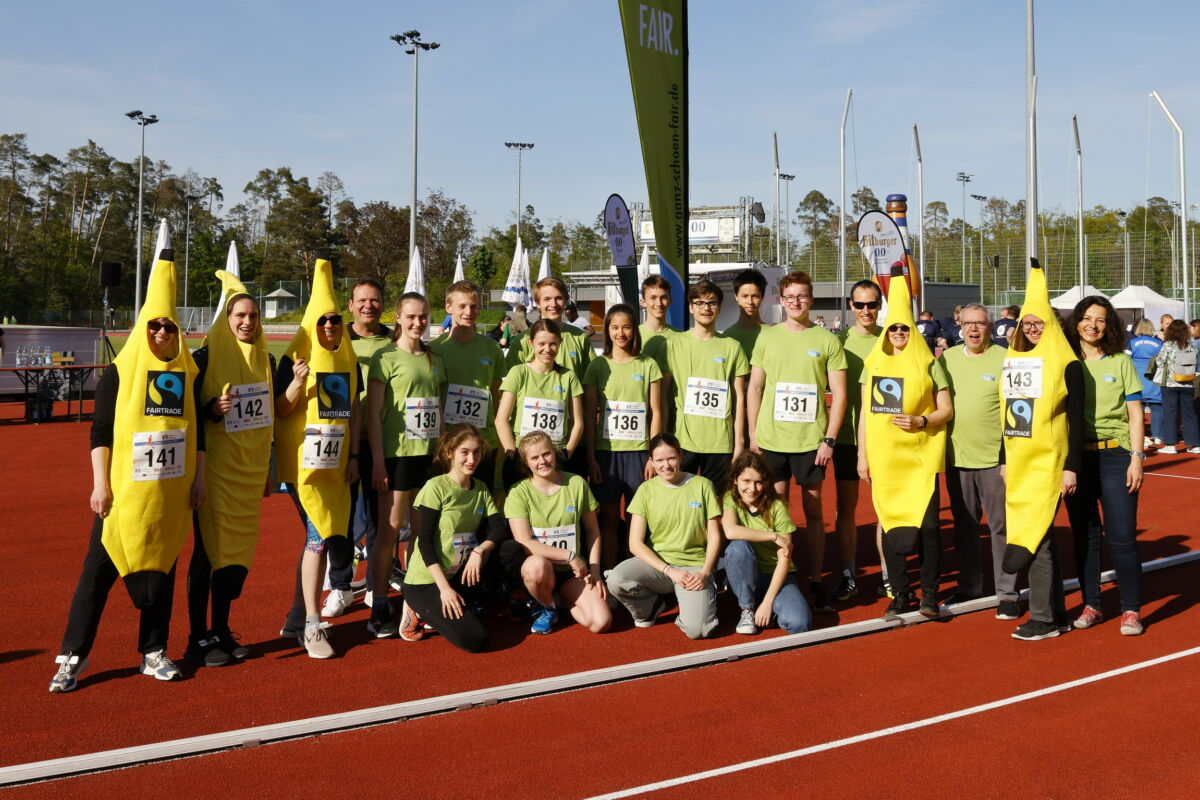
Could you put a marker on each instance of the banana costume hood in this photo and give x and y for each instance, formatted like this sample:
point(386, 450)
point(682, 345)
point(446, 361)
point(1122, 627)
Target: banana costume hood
point(153, 459)
point(904, 465)
point(1033, 396)
point(313, 441)
point(238, 447)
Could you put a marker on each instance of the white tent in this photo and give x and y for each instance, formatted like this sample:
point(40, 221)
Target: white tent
point(458, 270)
point(416, 274)
point(516, 286)
point(1067, 300)
point(1146, 302)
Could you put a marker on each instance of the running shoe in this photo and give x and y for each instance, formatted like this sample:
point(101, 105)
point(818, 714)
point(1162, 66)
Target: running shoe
point(1088, 618)
point(846, 588)
point(929, 607)
point(746, 623)
point(1035, 630)
point(206, 651)
point(898, 606)
point(396, 580)
point(1168, 449)
point(883, 590)
point(1008, 609)
point(1194, 449)
point(411, 629)
point(159, 667)
point(337, 602)
point(229, 642)
point(821, 600)
point(1131, 624)
point(544, 619)
point(316, 640)
point(70, 667)
point(382, 626)
point(291, 630)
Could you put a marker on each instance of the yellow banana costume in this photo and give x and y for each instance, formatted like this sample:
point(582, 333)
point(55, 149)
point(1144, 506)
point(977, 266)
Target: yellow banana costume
point(1033, 395)
point(153, 461)
point(238, 448)
point(904, 466)
point(312, 443)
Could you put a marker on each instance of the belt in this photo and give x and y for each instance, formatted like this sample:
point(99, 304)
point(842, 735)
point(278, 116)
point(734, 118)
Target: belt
point(1103, 444)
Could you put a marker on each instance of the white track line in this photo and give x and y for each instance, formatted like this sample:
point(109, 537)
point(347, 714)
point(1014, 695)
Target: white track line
point(1167, 475)
point(909, 726)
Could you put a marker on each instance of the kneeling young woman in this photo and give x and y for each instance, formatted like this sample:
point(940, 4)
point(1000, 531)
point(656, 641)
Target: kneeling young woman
point(548, 514)
point(675, 540)
point(452, 511)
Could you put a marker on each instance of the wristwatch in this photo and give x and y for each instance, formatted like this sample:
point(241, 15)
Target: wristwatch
point(1141, 456)
point(829, 441)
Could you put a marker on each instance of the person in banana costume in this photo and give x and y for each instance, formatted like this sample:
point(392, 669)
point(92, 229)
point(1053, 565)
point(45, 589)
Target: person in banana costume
point(236, 410)
point(1041, 397)
point(148, 475)
point(317, 438)
point(902, 446)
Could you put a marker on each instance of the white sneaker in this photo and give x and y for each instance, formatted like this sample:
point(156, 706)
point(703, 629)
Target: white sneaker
point(1168, 450)
point(159, 667)
point(1194, 449)
point(316, 641)
point(746, 623)
point(337, 602)
point(1158, 442)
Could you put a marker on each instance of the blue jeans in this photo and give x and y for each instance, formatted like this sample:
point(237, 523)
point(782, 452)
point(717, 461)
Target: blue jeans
point(1156, 419)
point(1178, 408)
point(750, 587)
point(1101, 486)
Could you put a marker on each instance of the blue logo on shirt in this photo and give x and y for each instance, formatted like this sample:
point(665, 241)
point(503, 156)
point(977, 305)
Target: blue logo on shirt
point(479, 510)
point(637, 377)
point(559, 389)
point(814, 353)
point(987, 376)
point(485, 361)
point(570, 508)
point(573, 353)
point(719, 359)
point(1110, 378)
point(694, 504)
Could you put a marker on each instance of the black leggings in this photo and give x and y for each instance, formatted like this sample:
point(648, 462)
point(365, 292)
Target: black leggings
point(467, 632)
point(225, 585)
point(900, 543)
point(152, 592)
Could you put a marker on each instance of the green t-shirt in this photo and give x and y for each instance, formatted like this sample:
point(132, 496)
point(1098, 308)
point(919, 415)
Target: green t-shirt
point(792, 417)
point(414, 384)
point(364, 348)
point(654, 344)
point(766, 554)
point(556, 518)
point(856, 347)
point(975, 388)
point(623, 402)
point(574, 353)
point(703, 371)
point(471, 369)
point(460, 524)
point(677, 516)
point(542, 402)
point(746, 337)
point(1110, 383)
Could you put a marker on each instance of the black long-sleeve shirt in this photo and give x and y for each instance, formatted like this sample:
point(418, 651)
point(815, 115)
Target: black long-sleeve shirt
point(106, 408)
point(427, 532)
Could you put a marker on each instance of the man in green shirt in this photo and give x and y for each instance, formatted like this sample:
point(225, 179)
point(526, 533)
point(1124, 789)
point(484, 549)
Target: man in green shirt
point(656, 299)
point(474, 365)
point(367, 335)
point(792, 364)
point(576, 351)
point(709, 372)
point(749, 289)
point(857, 341)
point(973, 478)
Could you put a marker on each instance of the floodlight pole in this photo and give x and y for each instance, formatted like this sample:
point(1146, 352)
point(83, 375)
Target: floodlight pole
point(1031, 167)
point(1187, 276)
point(920, 217)
point(964, 178)
point(142, 120)
point(411, 41)
point(787, 222)
point(842, 211)
point(1083, 277)
point(520, 147)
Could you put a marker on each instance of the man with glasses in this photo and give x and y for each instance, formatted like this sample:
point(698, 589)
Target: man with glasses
point(973, 478)
point(709, 372)
point(866, 298)
point(367, 335)
point(792, 364)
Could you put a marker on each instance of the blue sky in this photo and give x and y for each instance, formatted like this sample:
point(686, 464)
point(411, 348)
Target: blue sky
point(318, 86)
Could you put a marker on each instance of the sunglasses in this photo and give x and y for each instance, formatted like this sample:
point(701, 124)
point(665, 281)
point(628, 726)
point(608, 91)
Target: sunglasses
point(897, 327)
point(155, 326)
point(330, 319)
point(867, 304)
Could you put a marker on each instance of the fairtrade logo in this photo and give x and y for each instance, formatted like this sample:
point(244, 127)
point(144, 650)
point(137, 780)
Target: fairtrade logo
point(1018, 418)
point(333, 395)
point(164, 394)
point(887, 395)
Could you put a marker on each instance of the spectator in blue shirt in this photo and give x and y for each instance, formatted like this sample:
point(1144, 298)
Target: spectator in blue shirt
point(1143, 348)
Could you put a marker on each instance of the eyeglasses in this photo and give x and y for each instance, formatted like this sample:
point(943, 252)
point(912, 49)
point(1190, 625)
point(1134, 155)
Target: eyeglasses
point(707, 303)
point(1032, 326)
point(330, 319)
point(155, 326)
point(795, 299)
point(868, 304)
point(974, 324)
point(897, 327)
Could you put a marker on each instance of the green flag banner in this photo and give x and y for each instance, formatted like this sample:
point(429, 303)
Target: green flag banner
point(656, 44)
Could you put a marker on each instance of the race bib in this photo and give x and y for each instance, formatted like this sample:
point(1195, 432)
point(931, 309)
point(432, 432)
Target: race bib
point(795, 402)
point(158, 455)
point(251, 408)
point(538, 414)
point(422, 418)
point(706, 397)
point(323, 446)
point(625, 421)
point(467, 404)
point(1022, 377)
point(464, 543)
point(562, 537)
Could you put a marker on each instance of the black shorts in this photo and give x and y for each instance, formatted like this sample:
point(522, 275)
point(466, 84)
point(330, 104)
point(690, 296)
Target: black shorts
point(406, 473)
point(801, 466)
point(845, 462)
point(714, 466)
point(623, 472)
